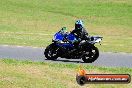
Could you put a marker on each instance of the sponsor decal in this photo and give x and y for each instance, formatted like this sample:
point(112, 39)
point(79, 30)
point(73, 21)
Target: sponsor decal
point(83, 78)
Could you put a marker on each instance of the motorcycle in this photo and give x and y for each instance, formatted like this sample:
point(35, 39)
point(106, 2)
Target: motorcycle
point(62, 46)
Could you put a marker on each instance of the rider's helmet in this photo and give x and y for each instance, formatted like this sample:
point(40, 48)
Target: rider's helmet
point(79, 24)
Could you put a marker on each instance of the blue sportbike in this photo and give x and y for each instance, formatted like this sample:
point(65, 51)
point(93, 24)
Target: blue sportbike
point(63, 46)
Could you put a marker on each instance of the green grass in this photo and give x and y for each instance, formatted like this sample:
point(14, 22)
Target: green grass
point(25, 22)
point(27, 74)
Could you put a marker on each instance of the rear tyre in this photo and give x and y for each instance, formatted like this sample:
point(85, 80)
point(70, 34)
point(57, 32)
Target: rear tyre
point(51, 52)
point(91, 55)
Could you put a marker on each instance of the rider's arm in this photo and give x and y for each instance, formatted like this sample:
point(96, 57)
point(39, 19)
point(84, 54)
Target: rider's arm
point(74, 31)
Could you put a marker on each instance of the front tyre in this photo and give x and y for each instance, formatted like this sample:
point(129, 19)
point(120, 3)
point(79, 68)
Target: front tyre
point(51, 52)
point(91, 56)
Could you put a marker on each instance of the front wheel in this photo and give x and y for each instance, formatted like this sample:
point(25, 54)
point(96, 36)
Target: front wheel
point(91, 56)
point(51, 52)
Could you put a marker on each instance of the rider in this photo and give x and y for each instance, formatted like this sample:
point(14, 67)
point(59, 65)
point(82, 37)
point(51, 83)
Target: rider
point(79, 32)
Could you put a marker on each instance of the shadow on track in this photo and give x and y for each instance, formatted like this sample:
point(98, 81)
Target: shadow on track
point(65, 61)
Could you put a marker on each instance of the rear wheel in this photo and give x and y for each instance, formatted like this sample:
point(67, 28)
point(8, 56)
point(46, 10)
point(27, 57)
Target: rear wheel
point(91, 56)
point(51, 52)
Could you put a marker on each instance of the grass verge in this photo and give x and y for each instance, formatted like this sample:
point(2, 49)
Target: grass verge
point(27, 74)
point(26, 23)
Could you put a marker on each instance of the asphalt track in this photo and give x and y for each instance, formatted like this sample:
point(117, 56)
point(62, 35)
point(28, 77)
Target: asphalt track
point(107, 59)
